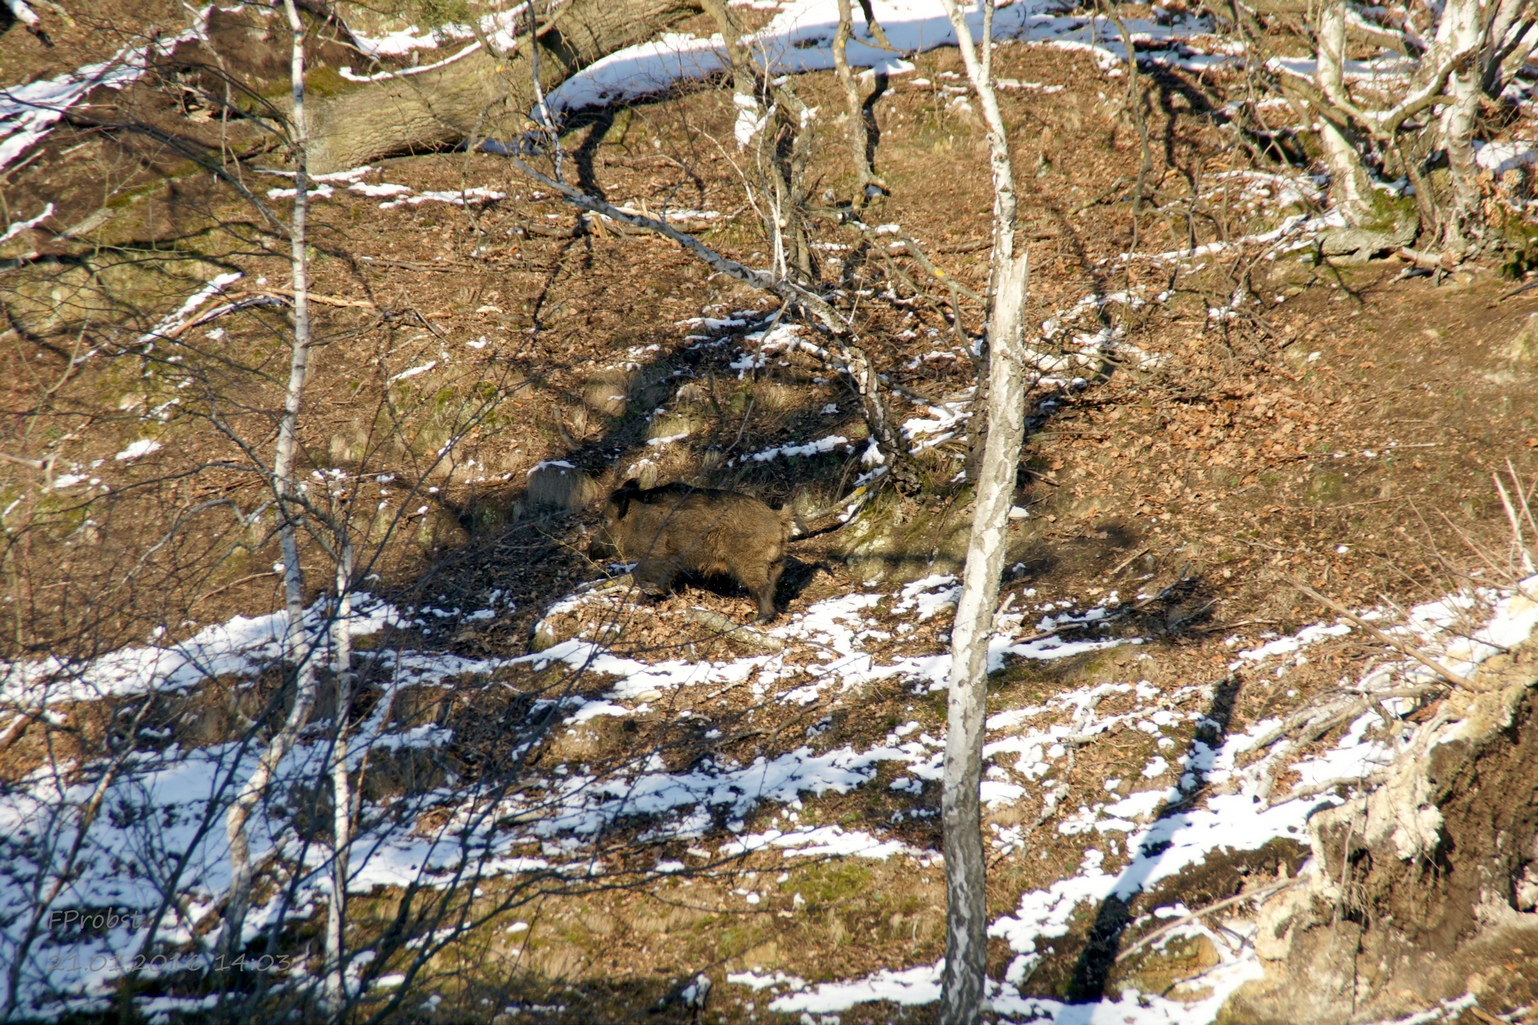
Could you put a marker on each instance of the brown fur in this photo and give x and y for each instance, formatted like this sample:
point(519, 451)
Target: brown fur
point(677, 528)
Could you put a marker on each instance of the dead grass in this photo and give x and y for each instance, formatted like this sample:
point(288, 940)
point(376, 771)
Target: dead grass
point(1344, 435)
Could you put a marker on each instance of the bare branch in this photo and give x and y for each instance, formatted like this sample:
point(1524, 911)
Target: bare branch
point(785, 289)
point(1393, 642)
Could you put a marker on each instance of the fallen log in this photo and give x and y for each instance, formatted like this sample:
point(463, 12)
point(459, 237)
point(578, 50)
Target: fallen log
point(478, 95)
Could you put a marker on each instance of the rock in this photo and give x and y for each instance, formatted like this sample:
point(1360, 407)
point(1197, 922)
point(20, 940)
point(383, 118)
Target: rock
point(745, 636)
point(1366, 242)
point(1523, 347)
point(557, 484)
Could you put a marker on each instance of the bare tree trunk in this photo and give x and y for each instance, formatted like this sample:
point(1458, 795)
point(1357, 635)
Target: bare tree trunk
point(1476, 46)
point(747, 84)
point(1517, 43)
point(298, 647)
point(966, 939)
point(341, 789)
point(785, 152)
point(1462, 28)
point(877, 417)
point(966, 949)
point(781, 153)
point(859, 140)
point(1350, 185)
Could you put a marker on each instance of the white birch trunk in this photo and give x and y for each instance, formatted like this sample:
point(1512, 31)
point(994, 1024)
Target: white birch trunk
point(1350, 186)
point(966, 948)
point(341, 789)
point(966, 938)
point(1504, 33)
point(979, 68)
point(1462, 28)
point(1517, 49)
point(296, 642)
point(24, 14)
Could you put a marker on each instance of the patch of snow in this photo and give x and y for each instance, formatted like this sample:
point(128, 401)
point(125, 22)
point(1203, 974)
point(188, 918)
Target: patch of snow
point(17, 227)
point(462, 197)
point(831, 443)
point(833, 649)
point(799, 39)
point(413, 371)
point(823, 841)
point(29, 111)
point(1500, 157)
point(932, 594)
point(138, 450)
point(176, 320)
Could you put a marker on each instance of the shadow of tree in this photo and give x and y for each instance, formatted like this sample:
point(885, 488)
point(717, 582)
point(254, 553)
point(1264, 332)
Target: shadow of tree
point(1114, 915)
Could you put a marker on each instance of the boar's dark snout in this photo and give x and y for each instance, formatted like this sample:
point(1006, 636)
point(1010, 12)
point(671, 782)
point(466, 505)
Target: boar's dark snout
point(677, 528)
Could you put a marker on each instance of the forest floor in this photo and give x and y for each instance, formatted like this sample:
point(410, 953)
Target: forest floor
point(755, 806)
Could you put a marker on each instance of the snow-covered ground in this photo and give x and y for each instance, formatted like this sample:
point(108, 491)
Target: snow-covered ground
point(29, 111)
point(162, 828)
point(92, 836)
point(95, 835)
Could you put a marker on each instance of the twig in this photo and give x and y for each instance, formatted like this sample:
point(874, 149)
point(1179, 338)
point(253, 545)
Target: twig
point(236, 583)
point(913, 250)
point(1238, 898)
point(1473, 546)
point(1123, 564)
point(1313, 789)
point(1511, 514)
point(1223, 627)
point(1527, 509)
point(223, 310)
point(1329, 714)
point(324, 300)
point(734, 631)
point(785, 289)
point(418, 264)
point(1393, 642)
point(1179, 579)
point(14, 729)
point(1518, 290)
point(1044, 478)
point(36, 464)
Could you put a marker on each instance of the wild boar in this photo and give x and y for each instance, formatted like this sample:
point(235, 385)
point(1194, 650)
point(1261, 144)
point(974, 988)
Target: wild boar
point(677, 528)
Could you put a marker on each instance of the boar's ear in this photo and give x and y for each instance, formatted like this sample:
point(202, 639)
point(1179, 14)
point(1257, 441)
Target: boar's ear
point(621, 498)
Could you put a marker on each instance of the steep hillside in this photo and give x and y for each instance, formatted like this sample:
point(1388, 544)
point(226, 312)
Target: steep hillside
point(1209, 795)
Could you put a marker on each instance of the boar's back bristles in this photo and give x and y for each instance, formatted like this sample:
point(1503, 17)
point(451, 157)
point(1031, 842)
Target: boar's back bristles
point(676, 529)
